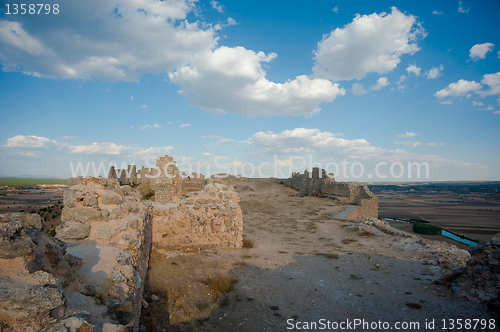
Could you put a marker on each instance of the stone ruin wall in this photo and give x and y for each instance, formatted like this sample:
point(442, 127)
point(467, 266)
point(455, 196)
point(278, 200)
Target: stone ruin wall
point(101, 251)
point(101, 218)
point(321, 183)
point(90, 276)
point(167, 185)
point(211, 216)
point(193, 182)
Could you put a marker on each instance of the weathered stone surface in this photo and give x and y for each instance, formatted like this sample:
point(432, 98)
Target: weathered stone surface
point(481, 277)
point(110, 198)
point(75, 324)
point(108, 327)
point(28, 301)
point(19, 234)
point(103, 233)
point(90, 201)
point(87, 214)
point(115, 214)
point(211, 216)
point(69, 198)
point(72, 231)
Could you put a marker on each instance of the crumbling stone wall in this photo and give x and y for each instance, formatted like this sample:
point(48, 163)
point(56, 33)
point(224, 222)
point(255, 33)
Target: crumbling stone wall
point(165, 179)
point(128, 176)
point(168, 185)
point(211, 216)
point(320, 183)
point(193, 182)
point(109, 227)
point(481, 276)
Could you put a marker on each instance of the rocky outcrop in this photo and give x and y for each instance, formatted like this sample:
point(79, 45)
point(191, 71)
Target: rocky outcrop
point(447, 257)
point(90, 276)
point(35, 269)
point(481, 276)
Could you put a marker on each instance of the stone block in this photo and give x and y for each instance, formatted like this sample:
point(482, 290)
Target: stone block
point(73, 231)
point(69, 198)
point(87, 214)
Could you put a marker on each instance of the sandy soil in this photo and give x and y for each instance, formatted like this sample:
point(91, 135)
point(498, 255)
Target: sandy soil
point(303, 267)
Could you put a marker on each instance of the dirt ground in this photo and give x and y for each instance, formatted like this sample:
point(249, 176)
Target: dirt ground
point(303, 267)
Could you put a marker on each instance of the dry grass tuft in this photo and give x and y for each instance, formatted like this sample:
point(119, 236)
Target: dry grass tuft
point(221, 284)
point(240, 263)
point(247, 244)
point(348, 240)
point(328, 255)
point(365, 233)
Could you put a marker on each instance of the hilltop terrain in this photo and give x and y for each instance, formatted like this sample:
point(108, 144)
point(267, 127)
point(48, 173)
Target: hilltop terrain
point(302, 265)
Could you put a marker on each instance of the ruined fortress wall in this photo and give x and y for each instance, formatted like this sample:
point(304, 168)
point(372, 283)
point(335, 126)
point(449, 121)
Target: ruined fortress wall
point(142, 264)
point(168, 185)
point(208, 217)
point(109, 227)
point(318, 182)
point(193, 183)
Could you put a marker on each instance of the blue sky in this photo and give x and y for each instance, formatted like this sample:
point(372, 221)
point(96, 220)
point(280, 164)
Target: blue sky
point(367, 82)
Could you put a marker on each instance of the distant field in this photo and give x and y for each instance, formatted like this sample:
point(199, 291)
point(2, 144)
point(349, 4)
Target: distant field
point(29, 182)
point(471, 209)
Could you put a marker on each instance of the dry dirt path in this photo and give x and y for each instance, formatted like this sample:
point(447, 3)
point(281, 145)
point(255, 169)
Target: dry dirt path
point(305, 267)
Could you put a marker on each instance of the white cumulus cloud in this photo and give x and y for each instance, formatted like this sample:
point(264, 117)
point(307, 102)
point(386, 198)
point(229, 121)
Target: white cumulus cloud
point(493, 82)
point(381, 82)
point(185, 125)
point(151, 127)
point(370, 43)
point(461, 9)
point(460, 88)
point(358, 89)
point(231, 79)
point(215, 5)
point(413, 69)
point(126, 40)
point(408, 134)
point(479, 51)
point(434, 72)
point(30, 145)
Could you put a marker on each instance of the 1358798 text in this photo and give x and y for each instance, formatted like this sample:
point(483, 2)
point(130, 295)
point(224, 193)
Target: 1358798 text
point(32, 9)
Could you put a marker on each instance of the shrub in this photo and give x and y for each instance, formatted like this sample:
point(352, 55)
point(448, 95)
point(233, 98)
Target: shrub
point(51, 232)
point(420, 228)
point(329, 255)
point(247, 244)
point(148, 195)
point(221, 284)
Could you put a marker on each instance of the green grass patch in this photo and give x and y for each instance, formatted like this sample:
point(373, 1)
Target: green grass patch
point(29, 182)
point(420, 228)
